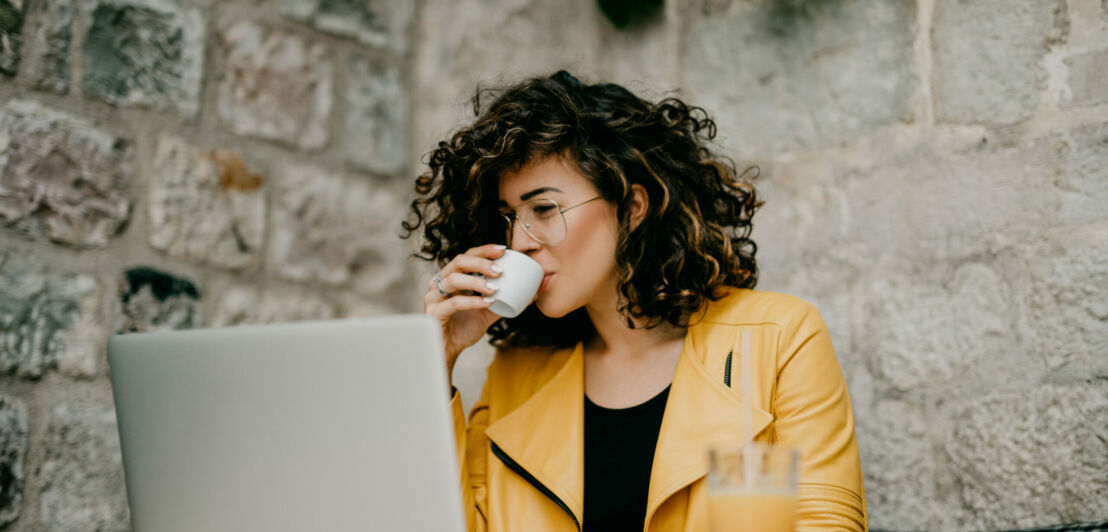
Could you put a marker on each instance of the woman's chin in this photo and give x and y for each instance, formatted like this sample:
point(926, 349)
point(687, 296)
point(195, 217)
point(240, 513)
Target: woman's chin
point(550, 310)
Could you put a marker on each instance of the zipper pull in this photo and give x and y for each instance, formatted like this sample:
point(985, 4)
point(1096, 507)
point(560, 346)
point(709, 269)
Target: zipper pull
point(727, 370)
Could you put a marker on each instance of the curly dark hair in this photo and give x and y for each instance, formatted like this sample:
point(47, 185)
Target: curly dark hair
point(692, 243)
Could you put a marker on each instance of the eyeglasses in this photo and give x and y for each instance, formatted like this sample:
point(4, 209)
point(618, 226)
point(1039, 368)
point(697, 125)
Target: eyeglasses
point(541, 218)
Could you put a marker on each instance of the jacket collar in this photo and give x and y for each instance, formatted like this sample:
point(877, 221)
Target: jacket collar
point(545, 435)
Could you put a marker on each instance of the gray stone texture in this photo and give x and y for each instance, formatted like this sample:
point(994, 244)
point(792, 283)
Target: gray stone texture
point(1032, 457)
point(61, 179)
point(1068, 291)
point(206, 205)
point(378, 23)
point(153, 300)
point(808, 77)
point(987, 57)
point(1088, 79)
point(12, 14)
point(48, 67)
point(48, 320)
point(275, 86)
point(13, 457)
point(338, 231)
point(239, 306)
point(934, 201)
point(376, 121)
point(81, 477)
point(1083, 178)
point(145, 52)
point(922, 314)
point(902, 493)
point(464, 43)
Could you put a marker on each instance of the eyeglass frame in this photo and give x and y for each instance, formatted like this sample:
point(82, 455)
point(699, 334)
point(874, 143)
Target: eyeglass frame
point(511, 218)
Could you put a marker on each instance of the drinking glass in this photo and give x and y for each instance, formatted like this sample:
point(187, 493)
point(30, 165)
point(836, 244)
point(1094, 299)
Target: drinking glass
point(752, 488)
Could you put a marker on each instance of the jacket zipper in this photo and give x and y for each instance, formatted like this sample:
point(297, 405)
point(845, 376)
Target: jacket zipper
point(533, 481)
point(727, 371)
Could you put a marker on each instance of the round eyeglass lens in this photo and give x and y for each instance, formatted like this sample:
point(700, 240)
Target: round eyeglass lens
point(542, 219)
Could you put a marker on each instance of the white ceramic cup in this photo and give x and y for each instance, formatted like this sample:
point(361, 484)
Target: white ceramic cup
point(519, 282)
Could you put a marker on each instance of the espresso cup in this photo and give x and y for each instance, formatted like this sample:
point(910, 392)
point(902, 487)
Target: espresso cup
point(519, 282)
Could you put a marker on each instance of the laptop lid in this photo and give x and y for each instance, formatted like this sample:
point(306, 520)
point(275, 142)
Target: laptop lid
point(324, 425)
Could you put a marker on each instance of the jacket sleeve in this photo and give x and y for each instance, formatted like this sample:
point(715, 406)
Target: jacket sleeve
point(472, 445)
point(813, 414)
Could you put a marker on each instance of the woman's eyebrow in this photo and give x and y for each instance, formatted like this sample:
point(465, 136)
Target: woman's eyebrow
point(528, 195)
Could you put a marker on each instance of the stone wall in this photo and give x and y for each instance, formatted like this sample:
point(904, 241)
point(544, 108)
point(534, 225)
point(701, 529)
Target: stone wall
point(934, 170)
point(180, 164)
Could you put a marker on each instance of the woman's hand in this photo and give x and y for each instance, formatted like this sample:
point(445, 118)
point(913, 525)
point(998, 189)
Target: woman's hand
point(464, 317)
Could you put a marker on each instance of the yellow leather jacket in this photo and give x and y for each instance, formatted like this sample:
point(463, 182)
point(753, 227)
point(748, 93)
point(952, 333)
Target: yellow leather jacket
point(522, 458)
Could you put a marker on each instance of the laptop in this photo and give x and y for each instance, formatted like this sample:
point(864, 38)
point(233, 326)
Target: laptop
point(323, 425)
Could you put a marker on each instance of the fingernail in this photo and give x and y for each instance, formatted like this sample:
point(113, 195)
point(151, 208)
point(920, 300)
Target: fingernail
point(501, 247)
point(496, 268)
point(492, 286)
point(487, 299)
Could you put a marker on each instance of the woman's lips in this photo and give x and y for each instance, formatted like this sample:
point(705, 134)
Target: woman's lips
point(545, 281)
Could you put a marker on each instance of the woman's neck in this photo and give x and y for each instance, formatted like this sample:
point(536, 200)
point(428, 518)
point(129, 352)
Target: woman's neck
point(614, 337)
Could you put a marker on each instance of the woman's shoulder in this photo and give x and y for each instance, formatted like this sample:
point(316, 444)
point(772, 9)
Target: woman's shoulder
point(748, 306)
point(525, 362)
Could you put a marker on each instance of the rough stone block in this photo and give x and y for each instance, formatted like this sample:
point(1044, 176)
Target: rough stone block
point(379, 23)
point(206, 205)
point(937, 323)
point(12, 13)
point(1088, 79)
point(244, 306)
point(48, 67)
point(275, 86)
point(81, 476)
point(1082, 181)
point(802, 78)
point(376, 119)
point(338, 231)
point(48, 320)
point(60, 178)
point(145, 52)
point(999, 80)
point(1032, 457)
point(153, 300)
point(933, 202)
point(901, 492)
point(1067, 301)
point(13, 457)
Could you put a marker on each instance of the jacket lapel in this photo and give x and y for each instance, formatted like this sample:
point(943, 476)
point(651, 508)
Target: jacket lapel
point(701, 411)
point(545, 434)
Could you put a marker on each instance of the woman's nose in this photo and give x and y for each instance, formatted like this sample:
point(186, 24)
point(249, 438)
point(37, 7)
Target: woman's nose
point(521, 240)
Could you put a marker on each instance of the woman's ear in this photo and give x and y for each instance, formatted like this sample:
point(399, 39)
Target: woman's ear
point(640, 202)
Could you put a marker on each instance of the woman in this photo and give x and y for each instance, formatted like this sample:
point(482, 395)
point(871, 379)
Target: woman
point(606, 392)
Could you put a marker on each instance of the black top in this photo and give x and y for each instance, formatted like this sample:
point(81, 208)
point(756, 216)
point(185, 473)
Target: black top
point(619, 452)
